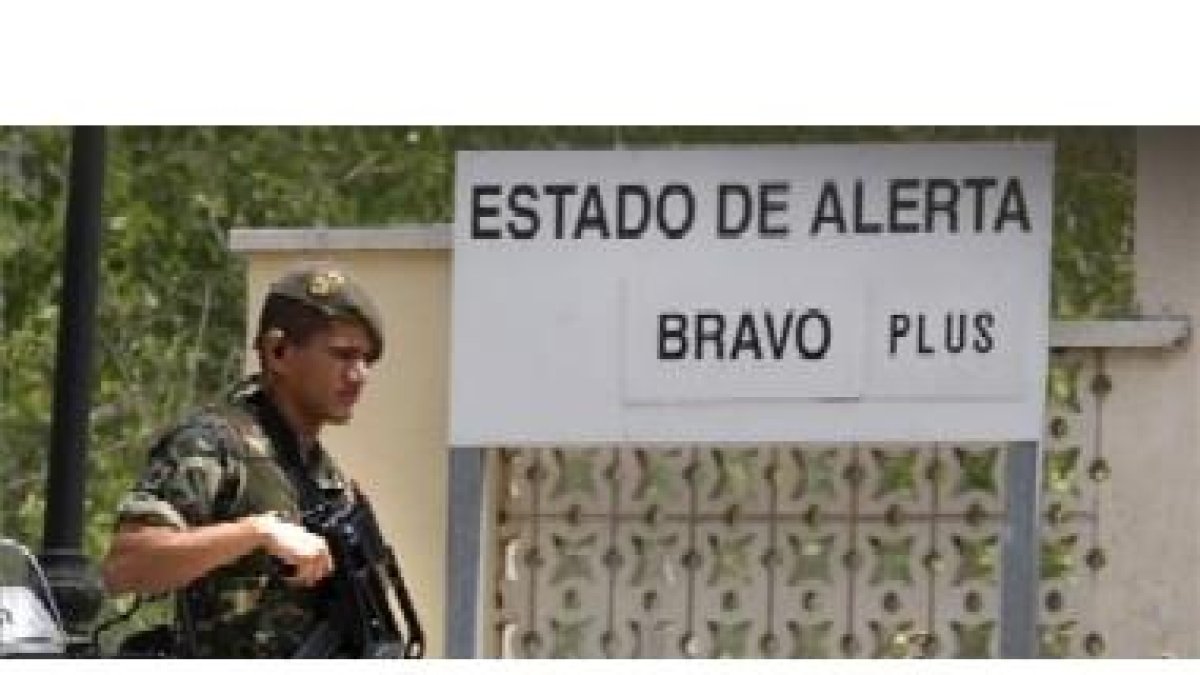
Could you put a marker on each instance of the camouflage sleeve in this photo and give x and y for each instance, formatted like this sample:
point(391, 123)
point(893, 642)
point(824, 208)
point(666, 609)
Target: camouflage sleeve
point(179, 485)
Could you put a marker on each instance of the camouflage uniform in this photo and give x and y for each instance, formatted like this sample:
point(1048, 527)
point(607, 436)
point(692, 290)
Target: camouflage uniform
point(239, 459)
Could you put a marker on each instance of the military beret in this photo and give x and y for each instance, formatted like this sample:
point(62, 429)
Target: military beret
point(330, 291)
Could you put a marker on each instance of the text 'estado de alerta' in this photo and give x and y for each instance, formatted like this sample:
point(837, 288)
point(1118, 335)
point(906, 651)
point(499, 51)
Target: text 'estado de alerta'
point(769, 209)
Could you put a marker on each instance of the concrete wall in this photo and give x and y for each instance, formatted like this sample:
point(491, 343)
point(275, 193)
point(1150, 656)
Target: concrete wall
point(396, 446)
point(1149, 603)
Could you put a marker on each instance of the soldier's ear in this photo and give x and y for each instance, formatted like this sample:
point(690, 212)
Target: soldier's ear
point(273, 342)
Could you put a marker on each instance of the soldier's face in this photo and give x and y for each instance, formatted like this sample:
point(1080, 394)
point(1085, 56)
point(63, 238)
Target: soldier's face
point(324, 378)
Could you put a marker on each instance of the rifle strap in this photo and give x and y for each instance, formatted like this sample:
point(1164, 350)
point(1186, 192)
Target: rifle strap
point(287, 446)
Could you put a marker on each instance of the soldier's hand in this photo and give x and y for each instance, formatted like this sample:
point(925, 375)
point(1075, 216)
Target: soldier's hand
point(297, 548)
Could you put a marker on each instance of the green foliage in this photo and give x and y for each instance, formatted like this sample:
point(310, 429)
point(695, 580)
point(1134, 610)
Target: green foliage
point(171, 328)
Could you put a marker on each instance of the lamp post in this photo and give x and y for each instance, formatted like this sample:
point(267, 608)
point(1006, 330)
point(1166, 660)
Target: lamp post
point(72, 576)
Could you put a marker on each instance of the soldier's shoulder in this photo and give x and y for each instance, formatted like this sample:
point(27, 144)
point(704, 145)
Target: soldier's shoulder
point(217, 429)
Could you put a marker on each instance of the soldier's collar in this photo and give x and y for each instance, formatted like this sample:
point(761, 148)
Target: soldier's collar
point(275, 423)
point(245, 388)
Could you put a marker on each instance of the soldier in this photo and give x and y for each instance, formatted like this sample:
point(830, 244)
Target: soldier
point(214, 515)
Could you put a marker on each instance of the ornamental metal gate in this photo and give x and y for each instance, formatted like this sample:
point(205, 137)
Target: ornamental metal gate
point(802, 550)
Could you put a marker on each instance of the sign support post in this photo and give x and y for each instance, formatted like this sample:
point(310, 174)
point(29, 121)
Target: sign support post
point(1020, 552)
point(464, 554)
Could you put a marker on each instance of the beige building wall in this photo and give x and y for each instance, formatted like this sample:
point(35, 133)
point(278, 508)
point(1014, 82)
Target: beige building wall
point(396, 445)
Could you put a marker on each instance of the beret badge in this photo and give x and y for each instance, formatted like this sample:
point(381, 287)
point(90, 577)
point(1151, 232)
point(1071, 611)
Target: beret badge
point(323, 284)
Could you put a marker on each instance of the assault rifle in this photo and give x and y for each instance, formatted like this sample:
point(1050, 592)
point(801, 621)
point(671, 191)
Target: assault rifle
point(358, 595)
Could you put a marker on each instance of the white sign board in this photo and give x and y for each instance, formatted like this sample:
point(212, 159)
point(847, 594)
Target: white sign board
point(783, 294)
